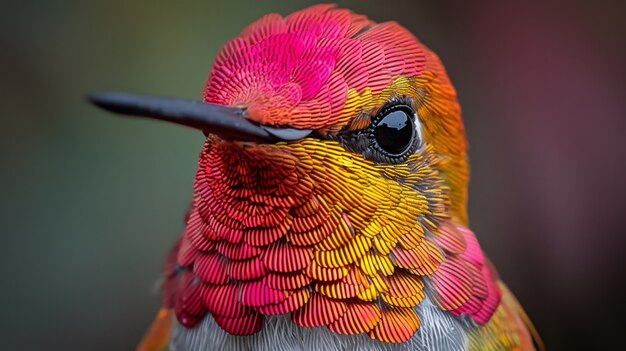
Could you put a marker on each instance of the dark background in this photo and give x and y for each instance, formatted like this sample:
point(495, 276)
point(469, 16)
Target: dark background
point(89, 203)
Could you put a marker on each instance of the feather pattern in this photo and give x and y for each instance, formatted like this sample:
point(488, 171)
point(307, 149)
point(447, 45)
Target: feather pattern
point(308, 245)
point(440, 331)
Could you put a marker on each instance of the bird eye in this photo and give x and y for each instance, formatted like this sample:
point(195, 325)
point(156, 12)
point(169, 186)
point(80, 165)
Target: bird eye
point(393, 135)
point(395, 129)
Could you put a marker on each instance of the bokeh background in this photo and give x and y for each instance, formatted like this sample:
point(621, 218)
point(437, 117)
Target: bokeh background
point(90, 203)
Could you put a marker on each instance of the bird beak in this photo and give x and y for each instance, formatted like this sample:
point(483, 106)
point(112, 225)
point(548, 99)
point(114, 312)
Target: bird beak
point(228, 122)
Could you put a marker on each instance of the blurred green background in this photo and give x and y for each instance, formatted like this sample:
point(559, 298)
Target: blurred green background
point(90, 203)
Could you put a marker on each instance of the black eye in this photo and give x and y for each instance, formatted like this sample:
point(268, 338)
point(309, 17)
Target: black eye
point(395, 130)
point(392, 136)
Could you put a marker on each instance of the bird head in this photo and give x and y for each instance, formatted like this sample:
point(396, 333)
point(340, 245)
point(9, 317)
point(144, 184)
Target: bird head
point(331, 184)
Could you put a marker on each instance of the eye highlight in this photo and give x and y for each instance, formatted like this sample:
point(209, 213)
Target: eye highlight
point(394, 132)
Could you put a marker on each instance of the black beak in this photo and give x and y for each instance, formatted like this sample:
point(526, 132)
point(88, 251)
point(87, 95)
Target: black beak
point(228, 122)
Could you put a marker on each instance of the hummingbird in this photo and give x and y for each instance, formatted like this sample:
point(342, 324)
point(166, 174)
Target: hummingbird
point(329, 207)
